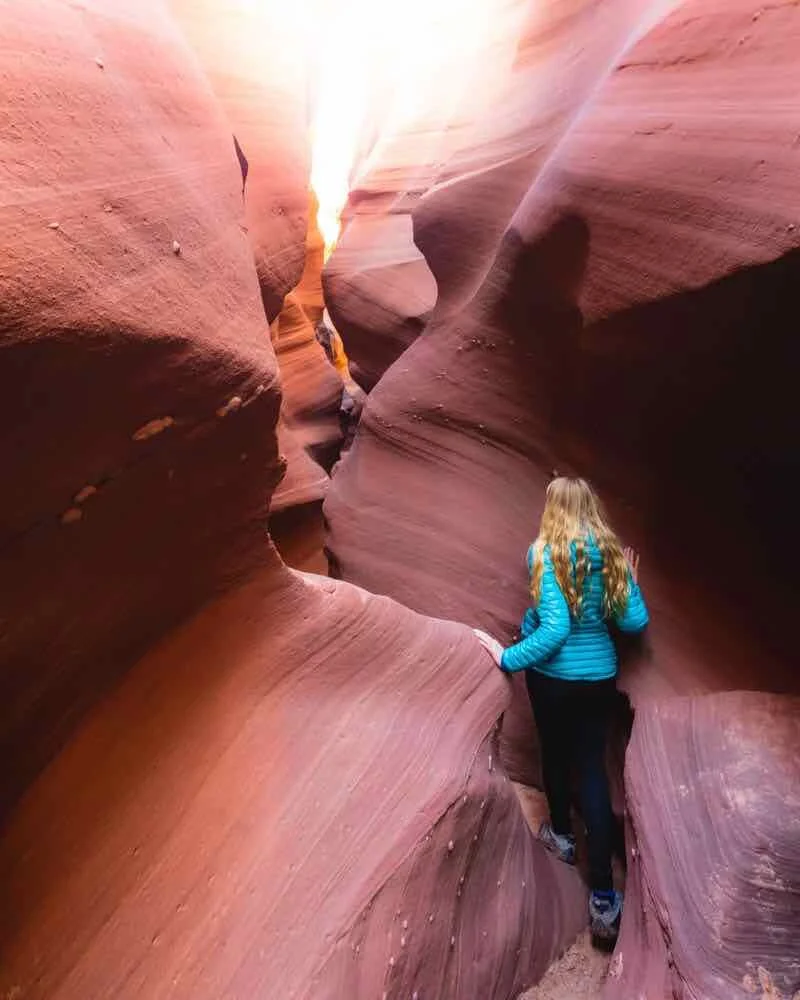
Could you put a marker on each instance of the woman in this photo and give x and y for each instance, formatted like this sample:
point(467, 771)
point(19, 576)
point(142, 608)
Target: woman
point(580, 581)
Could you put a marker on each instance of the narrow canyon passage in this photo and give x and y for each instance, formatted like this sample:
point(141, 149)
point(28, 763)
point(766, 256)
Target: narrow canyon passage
point(337, 285)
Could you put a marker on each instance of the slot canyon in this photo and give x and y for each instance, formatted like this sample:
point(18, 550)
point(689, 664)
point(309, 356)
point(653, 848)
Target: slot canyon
point(301, 304)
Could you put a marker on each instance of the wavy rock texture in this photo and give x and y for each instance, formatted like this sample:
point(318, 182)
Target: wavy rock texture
point(713, 788)
point(263, 97)
point(285, 792)
point(633, 324)
point(381, 290)
point(310, 434)
point(296, 789)
point(469, 395)
point(379, 287)
point(584, 302)
point(311, 809)
point(137, 374)
point(264, 101)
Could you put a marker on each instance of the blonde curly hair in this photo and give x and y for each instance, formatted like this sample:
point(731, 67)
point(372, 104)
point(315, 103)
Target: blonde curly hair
point(573, 513)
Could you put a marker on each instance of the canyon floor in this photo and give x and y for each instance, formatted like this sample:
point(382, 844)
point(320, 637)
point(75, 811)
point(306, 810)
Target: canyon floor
point(578, 975)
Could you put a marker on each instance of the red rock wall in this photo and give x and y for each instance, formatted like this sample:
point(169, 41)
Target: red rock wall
point(579, 352)
point(279, 794)
point(459, 167)
point(379, 287)
point(308, 803)
point(254, 58)
point(257, 800)
point(381, 291)
point(469, 394)
point(712, 879)
point(138, 382)
point(310, 434)
point(633, 324)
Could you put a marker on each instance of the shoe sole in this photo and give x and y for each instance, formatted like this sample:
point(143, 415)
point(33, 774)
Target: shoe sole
point(605, 944)
point(603, 936)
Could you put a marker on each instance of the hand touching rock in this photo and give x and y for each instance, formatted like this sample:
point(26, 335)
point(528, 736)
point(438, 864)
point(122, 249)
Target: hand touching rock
point(632, 558)
point(491, 645)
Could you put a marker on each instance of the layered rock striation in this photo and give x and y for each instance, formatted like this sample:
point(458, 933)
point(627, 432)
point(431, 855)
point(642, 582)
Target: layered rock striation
point(137, 374)
point(614, 301)
point(307, 801)
point(223, 778)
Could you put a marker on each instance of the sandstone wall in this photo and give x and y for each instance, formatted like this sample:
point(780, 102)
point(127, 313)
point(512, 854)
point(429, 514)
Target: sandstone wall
point(616, 302)
point(221, 778)
point(138, 384)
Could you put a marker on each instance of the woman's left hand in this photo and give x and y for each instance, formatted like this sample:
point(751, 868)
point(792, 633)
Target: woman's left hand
point(491, 645)
point(632, 559)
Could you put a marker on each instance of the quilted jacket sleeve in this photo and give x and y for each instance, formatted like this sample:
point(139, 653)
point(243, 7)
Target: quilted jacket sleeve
point(635, 616)
point(552, 631)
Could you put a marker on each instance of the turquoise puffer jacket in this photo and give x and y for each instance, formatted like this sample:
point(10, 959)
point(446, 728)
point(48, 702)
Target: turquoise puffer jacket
point(560, 645)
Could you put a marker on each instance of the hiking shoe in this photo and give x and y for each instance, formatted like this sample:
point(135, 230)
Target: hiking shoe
point(560, 844)
point(605, 913)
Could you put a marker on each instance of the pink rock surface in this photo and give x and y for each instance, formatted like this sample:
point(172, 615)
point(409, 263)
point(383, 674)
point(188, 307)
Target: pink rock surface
point(311, 386)
point(713, 792)
point(136, 365)
point(221, 778)
point(296, 793)
point(263, 99)
point(484, 133)
point(263, 96)
point(604, 294)
point(379, 287)
point(380, 291)
point(261, 798)
point(467, 395)
point(304, 480)
point(632, 324)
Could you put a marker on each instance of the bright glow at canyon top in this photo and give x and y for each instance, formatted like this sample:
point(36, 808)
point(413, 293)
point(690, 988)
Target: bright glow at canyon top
point(379, 67)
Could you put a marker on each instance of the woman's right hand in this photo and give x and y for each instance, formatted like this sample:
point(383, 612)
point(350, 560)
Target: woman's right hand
point(632, 558)
point(491, 645)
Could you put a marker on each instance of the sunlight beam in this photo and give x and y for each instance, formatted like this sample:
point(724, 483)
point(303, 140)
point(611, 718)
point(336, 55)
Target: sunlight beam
point(385, 66)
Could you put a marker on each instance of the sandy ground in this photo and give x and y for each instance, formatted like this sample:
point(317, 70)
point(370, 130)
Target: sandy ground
point(578, 975)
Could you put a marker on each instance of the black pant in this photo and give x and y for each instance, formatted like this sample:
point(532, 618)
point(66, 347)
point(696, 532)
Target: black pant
point(573, 718)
